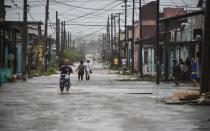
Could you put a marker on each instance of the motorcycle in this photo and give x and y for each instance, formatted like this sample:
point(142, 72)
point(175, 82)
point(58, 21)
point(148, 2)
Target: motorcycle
point(65, 82)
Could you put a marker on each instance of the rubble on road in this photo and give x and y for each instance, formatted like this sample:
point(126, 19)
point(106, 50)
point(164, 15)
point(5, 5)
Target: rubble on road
point(185, 95)
point(188, 97)
point(204, 99)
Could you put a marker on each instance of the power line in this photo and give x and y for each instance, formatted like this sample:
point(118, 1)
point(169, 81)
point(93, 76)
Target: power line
point(16, 5)
point(31, 16)
point(82, 24)
point(91, 33)
point(80, 7)
point(92, 12)
point(75, 8)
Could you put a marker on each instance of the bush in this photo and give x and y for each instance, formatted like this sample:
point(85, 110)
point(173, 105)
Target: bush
point(51, 71)
point(147, 78)
point(36, 73)
point(9, 78)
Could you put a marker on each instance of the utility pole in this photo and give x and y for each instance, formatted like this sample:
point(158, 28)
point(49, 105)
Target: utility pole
point(133, 38)
point(70, 40)
point(166, 70)
point(2, 18)
point(112, 39)
point(157, 57)
point(103, 46)
point(108, 39)
point(25, 33)
point(119, 30)
point(115, 35)
point(39, 31)
point(46, 19)
point(62, 40)
point(45, 36)
point(64, 28)
point(125, 51)
point(119, 38)
point(205, 63)
point(59, 41)
point(61, 26)
point(50, 49)
point(140, 36)
point(57, 38)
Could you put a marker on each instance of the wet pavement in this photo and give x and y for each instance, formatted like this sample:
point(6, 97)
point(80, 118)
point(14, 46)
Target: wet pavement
point(101, 104)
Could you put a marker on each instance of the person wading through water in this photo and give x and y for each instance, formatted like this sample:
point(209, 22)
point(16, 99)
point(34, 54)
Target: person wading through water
point(88, 70)
point(80, 69)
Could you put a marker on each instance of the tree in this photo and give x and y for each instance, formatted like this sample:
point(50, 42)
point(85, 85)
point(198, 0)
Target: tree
point(74, 55)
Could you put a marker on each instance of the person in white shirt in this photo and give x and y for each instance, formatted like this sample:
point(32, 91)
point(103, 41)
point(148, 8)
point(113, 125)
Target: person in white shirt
point(88, 70)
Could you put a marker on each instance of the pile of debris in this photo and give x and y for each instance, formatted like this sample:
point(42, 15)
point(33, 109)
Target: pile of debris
point(204, 99)
point(184, 95)
point(188, 97)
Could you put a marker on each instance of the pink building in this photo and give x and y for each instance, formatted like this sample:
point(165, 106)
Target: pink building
point(148, 31)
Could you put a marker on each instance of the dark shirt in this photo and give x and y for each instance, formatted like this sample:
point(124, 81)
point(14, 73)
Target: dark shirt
point(66, 70)
point(81, 69)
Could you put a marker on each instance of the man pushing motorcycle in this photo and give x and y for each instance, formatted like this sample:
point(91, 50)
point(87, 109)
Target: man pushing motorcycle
point(66, 70)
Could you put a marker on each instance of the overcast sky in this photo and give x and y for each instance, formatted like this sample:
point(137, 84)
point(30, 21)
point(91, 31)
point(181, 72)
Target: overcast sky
point(80, 14)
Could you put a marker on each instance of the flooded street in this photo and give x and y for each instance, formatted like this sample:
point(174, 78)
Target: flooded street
point(104, 103)
point(166, 42)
